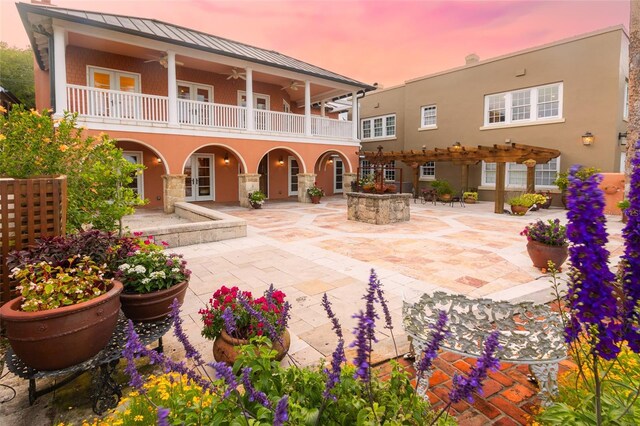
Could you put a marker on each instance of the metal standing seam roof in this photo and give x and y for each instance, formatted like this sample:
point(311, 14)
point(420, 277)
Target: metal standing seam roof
point(174, 34)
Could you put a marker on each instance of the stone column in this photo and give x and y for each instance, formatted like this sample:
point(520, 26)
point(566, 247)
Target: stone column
point(305, 181)
point(347, 178)
point(247, 182)
point(172, 191)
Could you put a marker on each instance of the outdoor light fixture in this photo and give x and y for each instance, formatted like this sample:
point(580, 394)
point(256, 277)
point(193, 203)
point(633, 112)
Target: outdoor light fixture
point(226, 158)
point(281, 160)
point(158, 160)
point(456, 147)
point(587, 139)
point(622, 138)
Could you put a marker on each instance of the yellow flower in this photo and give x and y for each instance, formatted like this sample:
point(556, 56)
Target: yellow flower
point(34, 112)
point(2, 109)
point(63, 147)
point(138, 418)
point(2, 137)
point(127, 412)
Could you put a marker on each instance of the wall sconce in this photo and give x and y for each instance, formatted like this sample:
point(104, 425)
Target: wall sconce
point(330, 161)
point(281, 160)
point(226, 158)
point(456, 147)
point(622, 138)
point(587, 139)
point(158, 160)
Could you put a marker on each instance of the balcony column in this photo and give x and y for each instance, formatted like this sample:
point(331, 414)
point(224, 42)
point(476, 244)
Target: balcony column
point(307, 108)
point(355, 114)
point(251, 123)
point(322, 105)
point(60, 70)
point(247, 183)
point(172, 88)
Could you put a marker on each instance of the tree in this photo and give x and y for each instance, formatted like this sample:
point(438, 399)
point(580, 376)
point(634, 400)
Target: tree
point(16, 73)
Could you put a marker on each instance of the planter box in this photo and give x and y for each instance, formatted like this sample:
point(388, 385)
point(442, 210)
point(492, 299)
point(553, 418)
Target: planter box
point(378, 209)
point(29, 209)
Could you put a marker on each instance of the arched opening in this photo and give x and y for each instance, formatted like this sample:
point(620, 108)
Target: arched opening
point(279, 169)
point(149, 184)
point(330, 168)
point(212, 174)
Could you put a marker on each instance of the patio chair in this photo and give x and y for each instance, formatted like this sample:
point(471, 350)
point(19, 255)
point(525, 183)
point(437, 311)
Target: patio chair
point(458, 198)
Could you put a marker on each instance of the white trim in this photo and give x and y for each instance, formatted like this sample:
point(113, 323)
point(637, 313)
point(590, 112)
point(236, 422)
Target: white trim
point(428, 126)
point(524, 124)
point(384, 127)
point(533, 106)
point(60, 69)
point(256, 96)
point(485, 185)
point(286, 106)
point(241, 162)
point(289, 175)
point(422, 129)
point(335, 176)
point(424, 177)
point(623, 161)
point(140, 177)
point(193, 158)
point(391, 138)
point(194, 85)
point(625, 100)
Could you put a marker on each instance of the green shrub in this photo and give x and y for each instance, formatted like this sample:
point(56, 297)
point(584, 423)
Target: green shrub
point(442, 187)
point(527, 200)
point(470, 194)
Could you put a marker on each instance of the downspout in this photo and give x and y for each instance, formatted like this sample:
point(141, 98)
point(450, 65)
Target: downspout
point(52, 72)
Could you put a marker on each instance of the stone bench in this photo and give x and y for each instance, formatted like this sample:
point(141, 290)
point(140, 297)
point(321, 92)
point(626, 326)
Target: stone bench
point(529, 333)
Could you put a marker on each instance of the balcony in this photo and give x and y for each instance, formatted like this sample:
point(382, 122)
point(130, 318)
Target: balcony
point(142, 109)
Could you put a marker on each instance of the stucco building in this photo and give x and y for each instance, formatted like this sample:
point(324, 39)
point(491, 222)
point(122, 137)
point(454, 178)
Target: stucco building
point(548, 96)
point(211, 119)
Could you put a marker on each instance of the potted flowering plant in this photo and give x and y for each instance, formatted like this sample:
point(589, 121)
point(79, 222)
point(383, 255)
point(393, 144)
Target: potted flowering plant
point(74, 307)
point(522, 203)
point(316, 193)
point(547, 241)
point(470, 197)
point(232, 317)
point(152, 279)
point(256, 199)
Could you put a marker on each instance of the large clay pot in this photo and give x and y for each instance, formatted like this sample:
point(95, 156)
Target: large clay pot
point(541, 254)
point(62, 337)
point(315, 199)
point(470, 200)
point(519, 210)
point(152, 306)
point(225, 347)
point(445, 198)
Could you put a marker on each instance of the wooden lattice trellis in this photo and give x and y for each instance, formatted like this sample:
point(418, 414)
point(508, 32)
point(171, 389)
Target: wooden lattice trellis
point(29, 209)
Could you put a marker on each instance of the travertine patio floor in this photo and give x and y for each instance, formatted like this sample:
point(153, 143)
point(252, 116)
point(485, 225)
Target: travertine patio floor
point(307, 250)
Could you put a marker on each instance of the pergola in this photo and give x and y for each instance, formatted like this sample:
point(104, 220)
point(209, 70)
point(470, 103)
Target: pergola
point(466, 155)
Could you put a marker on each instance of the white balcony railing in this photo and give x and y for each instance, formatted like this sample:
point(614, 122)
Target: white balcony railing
point(113, 104)
point(92, 102)
point(329, 127)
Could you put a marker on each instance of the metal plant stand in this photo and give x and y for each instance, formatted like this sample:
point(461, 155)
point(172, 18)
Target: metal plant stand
point(106, 391)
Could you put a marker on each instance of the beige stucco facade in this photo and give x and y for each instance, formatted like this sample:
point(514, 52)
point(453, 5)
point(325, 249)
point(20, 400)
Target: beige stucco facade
point(591, 71)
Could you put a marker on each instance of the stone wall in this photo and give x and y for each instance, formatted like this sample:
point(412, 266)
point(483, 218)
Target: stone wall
point(378, 209)
point(172, 191)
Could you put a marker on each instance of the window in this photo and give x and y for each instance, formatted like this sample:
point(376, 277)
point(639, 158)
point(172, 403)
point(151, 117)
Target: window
point(390, 171)
point(429, 116)
point(365, 168)
point(379, 127)
point(625, 112)
point(522, 106)
point(428, 170)
point(516, 174)
point(285, 106)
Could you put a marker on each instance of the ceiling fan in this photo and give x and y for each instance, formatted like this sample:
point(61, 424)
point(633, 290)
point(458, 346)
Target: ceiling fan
point(235, 74)
point(163, 60)
point(294, 85)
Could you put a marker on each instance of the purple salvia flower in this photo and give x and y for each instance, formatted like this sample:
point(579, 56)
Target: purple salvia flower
point(326, 304)
point(132, 350)
point(285, 315)
point(388, 324)
point(229, 321)
point(271, 331)
point(252, 393)
point(281, 415)
point(463, 387)
point(438, 334)
point(333, 376)
point(191, 351)
point(163, 416)
point(590, 294)
point(223, 371)
point(631, 258)
point(370, 298)
point(363, 330)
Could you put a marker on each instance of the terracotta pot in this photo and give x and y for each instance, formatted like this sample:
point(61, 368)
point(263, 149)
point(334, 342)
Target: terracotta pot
point(255, 205)
point(563, 198)
point(445, 198)
point(62, 337)
point(469, 200)
point(152, 306)
point(225, 347)
point(541, 254)
point(548, 200)
point(315, 199)
point(519, 210)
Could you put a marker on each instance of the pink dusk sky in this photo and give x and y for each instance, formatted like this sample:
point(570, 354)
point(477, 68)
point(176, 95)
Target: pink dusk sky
point(370, 40)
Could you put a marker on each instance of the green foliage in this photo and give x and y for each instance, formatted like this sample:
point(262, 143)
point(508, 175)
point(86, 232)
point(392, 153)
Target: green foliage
point(257, 197)
point(149, 271)
point(442, 187)
point(395, 400)
point(470, 194)
point(16, 73)
point(527, 200)
point(45, 287)
point(624, 204)
point(315, 191)
point(562, 179)
point(34, 144)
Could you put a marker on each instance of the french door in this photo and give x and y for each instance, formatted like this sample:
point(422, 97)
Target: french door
point(195, 113)
point(338, 170)
point(294, 169)
point(199, 180)
point(136, 184)
point(109, 104)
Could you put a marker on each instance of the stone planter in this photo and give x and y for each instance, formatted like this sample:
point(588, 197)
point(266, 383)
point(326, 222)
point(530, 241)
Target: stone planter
point(62, 337)
point(541, 254)
point(315, 199)
point(225, 347)
point(519, 210)
point(152, 306)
